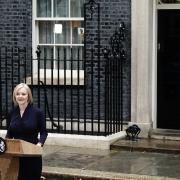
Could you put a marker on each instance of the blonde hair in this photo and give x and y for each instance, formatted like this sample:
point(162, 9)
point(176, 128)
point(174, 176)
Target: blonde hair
point(16, 89)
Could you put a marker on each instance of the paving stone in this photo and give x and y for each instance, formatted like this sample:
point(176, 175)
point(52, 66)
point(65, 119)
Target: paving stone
point(83, 163)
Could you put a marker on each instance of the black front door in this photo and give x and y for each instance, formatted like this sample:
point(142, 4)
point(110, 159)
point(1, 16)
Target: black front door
point(168, 69)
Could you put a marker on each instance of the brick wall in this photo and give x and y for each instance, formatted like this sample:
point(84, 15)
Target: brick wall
point(16, 30)
point(112, 12)
point(15, 23)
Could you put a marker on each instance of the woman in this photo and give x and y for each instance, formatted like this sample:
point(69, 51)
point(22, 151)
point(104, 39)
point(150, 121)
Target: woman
point(26, 122)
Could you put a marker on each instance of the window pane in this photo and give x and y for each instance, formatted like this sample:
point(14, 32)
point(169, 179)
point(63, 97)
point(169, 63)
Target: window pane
point(77, 32)
point(43, 8)
point(65, 32)
point(77, 54)
point(46, 58)
point(63, 55)
point(72, 56)
point(61, 8)
point(46, 32)
point(77, 8)
point(64, 36)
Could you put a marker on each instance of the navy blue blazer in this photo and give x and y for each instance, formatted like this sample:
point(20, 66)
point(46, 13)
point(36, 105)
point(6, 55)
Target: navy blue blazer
point(28, 126)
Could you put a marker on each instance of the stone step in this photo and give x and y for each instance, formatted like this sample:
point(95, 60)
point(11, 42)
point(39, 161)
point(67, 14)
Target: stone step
point(148, 145)
point(55, 173)
point(165, 134)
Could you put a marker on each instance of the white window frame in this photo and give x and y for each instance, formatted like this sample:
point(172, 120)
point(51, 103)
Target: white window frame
point(35, 42)
point(162, 5)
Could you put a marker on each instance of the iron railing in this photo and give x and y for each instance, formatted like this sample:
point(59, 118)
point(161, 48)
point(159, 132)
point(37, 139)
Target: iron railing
point(74, 100)
point(79, 95)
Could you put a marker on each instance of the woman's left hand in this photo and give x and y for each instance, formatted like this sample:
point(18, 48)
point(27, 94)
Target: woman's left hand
point(39, 144)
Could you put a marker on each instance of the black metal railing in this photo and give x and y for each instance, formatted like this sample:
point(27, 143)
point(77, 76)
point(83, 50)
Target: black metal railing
point(80, 90)
point(115, 56)
point(74, 100)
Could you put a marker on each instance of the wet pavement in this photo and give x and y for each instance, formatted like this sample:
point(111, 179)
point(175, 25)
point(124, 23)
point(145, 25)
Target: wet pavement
point(82, 163)
point(148, 145)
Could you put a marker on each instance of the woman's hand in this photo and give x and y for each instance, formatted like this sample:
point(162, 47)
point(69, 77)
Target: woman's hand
point(39, 144)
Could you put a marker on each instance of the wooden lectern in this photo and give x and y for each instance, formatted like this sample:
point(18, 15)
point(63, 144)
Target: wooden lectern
point(9, 161)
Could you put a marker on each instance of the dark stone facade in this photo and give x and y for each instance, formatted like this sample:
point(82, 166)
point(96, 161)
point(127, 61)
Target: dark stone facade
point(16, 31)
point(16, 23)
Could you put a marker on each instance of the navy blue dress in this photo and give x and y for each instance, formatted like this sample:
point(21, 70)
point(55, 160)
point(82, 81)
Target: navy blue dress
point(27, 128)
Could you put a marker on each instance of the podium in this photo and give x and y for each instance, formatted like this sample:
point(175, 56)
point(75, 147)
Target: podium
point(9, 161)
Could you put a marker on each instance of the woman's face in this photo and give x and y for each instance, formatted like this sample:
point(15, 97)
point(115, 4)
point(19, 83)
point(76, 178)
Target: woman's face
point(22, 96)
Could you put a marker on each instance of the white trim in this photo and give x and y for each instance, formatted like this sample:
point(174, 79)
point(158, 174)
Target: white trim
point(35, 35)
point(76, 79)
point(97, 142)
point(154, 68)
point(69, 9)
point(33, 28)
point(70, 23)
point(141, 64)
point(72, 140)
point(168, 6)
point(61, 45)
point(58, 19)
point(35, 40)
point(52, 8)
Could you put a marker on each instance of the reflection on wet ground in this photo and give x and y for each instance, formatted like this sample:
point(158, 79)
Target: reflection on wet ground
point(117, 161)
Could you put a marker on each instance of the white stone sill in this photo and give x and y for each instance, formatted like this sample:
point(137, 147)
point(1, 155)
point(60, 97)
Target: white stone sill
point(65, 77)
point(97, 142)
